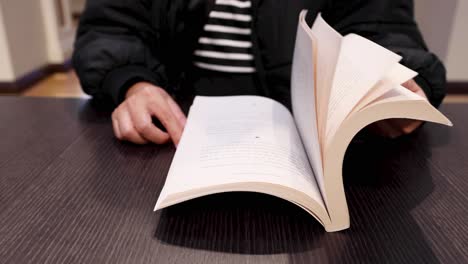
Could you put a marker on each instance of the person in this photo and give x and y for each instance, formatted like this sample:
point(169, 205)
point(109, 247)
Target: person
point(141, 53)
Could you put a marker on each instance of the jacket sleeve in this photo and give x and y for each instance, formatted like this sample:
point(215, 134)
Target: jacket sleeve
point(114, 48)
point(391, 24)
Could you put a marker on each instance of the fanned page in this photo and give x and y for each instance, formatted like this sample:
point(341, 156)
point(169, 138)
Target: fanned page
point(361, 65)
point(357, 82)
point(398, 75)
point(401, 94)
point(303, 94)
point(398, 102)
point(327, 46)
point(238, 140)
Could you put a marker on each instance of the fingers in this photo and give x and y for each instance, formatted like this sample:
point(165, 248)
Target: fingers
point(411, 85)
point(385, 129)
point(143, 123)
point(161, 109)
point(132, 120)
point(405, 126)
point(180, 116)
point(126, 129)
point(115, 126)
point(415, 88)
point(393, 128)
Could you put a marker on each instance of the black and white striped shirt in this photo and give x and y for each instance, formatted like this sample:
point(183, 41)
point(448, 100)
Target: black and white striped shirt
point(225, 44)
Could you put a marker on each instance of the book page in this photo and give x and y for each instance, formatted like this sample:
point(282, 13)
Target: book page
point(399, 92)
point(239, 139)
point(303, 94)
point(400, 102)
point(398, 75)
point(327, 43)
point(361, 65)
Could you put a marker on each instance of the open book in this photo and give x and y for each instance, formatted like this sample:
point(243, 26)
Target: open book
point(254, 144)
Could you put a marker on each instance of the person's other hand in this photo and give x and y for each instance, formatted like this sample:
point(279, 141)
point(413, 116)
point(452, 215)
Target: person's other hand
point(393, 128)
point(132, 120)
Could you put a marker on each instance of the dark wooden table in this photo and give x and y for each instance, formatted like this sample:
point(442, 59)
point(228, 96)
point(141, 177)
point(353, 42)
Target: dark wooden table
point(71, 193)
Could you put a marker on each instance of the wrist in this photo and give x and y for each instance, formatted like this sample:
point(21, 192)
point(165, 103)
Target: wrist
point(136, 87)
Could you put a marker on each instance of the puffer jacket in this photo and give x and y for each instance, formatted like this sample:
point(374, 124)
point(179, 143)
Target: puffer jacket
point(121, 42)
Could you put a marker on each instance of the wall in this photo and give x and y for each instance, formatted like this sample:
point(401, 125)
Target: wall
point(31, 38)
point(53, 33)
point(25, 34)
point(457, 57)
point(6, 70)
point(445, 27)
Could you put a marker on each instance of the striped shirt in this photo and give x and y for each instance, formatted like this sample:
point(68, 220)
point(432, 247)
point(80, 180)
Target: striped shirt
point(225, 44)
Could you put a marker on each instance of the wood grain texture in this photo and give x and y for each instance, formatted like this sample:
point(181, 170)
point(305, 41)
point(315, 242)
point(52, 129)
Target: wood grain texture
point(71, 193)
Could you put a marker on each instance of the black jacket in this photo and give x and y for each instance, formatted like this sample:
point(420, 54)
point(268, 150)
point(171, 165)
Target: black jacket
point(121, 42)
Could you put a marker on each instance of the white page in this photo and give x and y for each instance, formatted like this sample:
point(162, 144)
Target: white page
point(399, 74)
point(378, 90)
point(400, 92)
point(408, 104)
point(327, 44)
point(239, 139)
point(361, 64)
point(303, 93)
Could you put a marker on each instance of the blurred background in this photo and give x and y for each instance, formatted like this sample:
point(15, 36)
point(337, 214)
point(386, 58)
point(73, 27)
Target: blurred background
point(36, 43)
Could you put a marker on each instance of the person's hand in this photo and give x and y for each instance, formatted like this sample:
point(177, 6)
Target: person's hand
point(132, 120)
point(394, 128)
